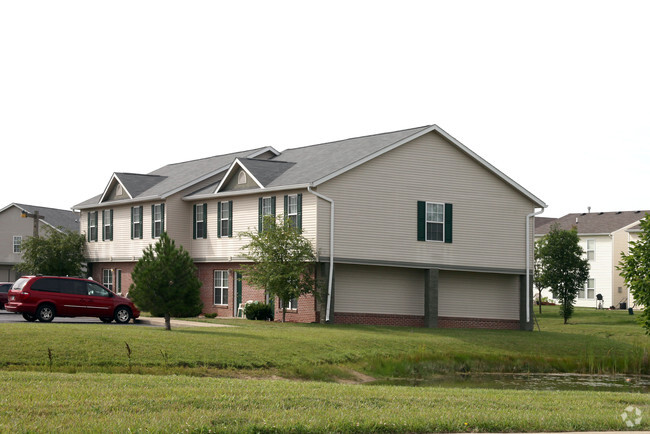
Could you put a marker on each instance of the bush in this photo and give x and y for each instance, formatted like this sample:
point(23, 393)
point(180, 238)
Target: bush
point(258, 311)
point(211, 315)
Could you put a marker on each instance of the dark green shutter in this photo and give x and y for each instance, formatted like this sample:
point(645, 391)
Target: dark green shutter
point(103, 227)
point(141, 222)
point(230, 218)
point(422, 220)
point(89, 227)
point(162, 218)
point(448, 222)
point(218, 219)
point(131, 222)
point(153, 220)
point(194, 221)
point(259, 217)
point(299, 205)
point(112, 230)
point(273, 206)
point(205, 220)
point(286, 206)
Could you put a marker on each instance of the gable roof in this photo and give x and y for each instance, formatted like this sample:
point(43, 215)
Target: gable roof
point(594, 223)
point(295, 167)
point(54, 217)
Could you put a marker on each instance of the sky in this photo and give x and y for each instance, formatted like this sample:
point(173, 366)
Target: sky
point(555, 94)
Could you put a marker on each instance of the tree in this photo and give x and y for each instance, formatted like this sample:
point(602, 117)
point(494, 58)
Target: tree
point(283, 260)
point(560, 266)
point(635, 269)
point(165, 281)
point(58, 253)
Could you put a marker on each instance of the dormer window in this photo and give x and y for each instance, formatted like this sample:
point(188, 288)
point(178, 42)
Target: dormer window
point(241, 177)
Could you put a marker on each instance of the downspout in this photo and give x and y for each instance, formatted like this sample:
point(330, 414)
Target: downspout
point(528, 237)
point(331, 273)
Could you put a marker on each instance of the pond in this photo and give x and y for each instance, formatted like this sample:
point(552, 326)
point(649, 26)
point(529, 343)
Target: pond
point(606, 383)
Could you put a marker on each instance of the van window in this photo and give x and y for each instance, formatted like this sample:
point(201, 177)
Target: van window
point(5, 287)
point(76, 287)
point(97, 291)
point(46, 284)
point(18, 284)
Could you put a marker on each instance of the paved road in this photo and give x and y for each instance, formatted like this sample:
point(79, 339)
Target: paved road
point(9, 317)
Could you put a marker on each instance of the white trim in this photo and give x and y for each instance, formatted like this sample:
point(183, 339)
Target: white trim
point(227, 175)
point(114, 178)
point(455, 142)
point(426, 221)
point(207, 196)
point(222, 289)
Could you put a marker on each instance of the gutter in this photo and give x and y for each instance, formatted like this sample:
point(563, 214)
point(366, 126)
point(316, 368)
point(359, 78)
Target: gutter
point(331, 272)
point(528, 236)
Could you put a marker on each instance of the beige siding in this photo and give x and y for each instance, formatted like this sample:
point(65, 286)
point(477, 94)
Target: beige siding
point(379, 290)
point(478, 295)
point(376, 209)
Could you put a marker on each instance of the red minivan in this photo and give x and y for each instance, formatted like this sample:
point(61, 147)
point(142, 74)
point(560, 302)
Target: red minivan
point(44, 297)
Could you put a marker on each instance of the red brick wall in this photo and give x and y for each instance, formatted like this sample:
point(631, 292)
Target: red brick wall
point(126, 267)
point(478, 323)
point(418, 321)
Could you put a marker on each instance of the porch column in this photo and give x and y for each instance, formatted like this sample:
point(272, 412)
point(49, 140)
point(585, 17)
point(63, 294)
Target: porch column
point(431, 278)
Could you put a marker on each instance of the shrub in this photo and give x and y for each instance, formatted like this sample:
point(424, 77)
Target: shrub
point(258, 311)
point(211, 315)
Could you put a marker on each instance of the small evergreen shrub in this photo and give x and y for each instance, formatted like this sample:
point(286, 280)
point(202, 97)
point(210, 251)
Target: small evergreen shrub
point(211, 315)
point(258, 311)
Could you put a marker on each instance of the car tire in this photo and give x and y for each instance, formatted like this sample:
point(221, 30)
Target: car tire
point(28, 317)
point(106, 319)
point(45, 313)
point(122, 315)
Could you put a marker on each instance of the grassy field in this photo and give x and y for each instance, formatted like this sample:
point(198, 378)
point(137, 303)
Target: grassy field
point(68, 377)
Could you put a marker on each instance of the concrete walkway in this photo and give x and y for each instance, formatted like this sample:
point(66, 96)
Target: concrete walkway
point(160, 322)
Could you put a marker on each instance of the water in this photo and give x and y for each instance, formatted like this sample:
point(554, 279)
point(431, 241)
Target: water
point(602, 383)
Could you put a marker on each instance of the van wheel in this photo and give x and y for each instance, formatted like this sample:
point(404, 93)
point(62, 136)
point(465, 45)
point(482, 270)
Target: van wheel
point(122, 315)
point(28, 317)
point(45, 313)
point(106, 319)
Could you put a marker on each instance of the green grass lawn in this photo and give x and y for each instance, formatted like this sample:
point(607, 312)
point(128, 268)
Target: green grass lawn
point(80, 377)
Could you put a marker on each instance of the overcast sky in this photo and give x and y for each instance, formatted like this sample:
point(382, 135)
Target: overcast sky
point(554, 94)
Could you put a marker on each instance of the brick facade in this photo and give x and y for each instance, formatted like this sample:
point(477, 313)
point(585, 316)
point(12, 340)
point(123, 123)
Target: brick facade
point(418, 321)
point(97, 274)
point(478, 323)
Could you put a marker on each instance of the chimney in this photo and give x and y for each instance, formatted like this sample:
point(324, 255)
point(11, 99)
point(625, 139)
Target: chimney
point(589, 210)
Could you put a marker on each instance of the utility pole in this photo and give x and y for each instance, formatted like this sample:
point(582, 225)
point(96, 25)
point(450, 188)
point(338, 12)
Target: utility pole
point(36, 216)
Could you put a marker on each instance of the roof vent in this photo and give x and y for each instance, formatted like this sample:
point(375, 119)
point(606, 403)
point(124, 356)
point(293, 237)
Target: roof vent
point(619, 212)
point(601, 213)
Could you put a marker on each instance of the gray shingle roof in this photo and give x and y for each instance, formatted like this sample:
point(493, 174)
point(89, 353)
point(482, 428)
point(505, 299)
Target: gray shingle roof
point(266, 171)
point(137, 184)
point(594, 223)
point(54, 217)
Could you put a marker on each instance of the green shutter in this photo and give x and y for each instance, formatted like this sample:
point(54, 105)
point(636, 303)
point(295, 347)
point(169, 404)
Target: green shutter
point(162, 217)
point(131, 222)
point(88, 233)
point(259, 217)
point(103, 234)
point(422, 220)
point(230, 218)
point(218, 219)
point(112, 230)
point(205, 220)
point(448, 222)
point(299, 204)
point(141, 222)
point(273, 206)
point(286, 206)
point(194, 221)
point(153, 220)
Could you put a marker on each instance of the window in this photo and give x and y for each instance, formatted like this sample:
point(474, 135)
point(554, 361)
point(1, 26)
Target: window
point(108, 278)
point(157, 220)
point(92, 226)
point(200, 221)
point(591, 249)
point(266, 207)
point(291, 305)
point(434, 221)
point(136, 222)
point(241, 177)
point(97, 291)
point(107, 225)
point(588, 291)
point(18, 241)
point(221, 287)
point(293, 209)
point(224, 216)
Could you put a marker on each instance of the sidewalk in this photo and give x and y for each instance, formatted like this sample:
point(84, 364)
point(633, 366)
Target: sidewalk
point(160, 322)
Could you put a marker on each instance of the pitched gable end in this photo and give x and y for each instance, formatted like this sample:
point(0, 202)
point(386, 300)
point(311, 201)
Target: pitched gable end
point(238, 177)
point(115, 190)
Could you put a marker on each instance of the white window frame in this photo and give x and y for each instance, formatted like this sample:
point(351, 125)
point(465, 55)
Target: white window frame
point(591, 252)
point(107, 278)
point(92, 225)
point(438, 212)
point(225, 219)
point(222, 285)
point(292, 304)
point(137, 222)
point(108, 226)
point(267, 208)
point(199, 212)
point(157, 221)
point(292, 209)
point(17, 243)
point(590, 287)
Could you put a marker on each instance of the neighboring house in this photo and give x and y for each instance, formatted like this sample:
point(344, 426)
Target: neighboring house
point(603, 237)
point(424, 231)
point(14, 229)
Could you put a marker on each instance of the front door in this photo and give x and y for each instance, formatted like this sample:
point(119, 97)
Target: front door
point(238, 296)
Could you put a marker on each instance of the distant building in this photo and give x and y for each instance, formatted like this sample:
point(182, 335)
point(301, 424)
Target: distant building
point(14, 229)
point(604, 236)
